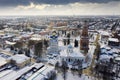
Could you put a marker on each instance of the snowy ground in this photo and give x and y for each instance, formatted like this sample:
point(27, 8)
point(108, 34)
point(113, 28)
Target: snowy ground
point(74, 76)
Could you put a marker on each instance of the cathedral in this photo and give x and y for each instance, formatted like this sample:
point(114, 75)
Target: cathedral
point(73, 55)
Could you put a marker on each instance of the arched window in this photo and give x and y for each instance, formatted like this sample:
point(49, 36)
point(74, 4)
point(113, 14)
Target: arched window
point(84, 45)
point(69, 59)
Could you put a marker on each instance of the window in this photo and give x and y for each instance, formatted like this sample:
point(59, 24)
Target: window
point(69, 60)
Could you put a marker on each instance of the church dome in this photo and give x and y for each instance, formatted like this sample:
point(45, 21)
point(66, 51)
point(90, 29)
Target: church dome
point(70, 46)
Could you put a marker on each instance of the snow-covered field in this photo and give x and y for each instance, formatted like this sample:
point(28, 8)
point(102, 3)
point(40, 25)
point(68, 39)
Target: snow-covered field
point(74, 76)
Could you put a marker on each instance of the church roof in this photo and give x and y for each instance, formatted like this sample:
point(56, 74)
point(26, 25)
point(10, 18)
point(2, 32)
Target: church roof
point(75, 53)
point(70, 46)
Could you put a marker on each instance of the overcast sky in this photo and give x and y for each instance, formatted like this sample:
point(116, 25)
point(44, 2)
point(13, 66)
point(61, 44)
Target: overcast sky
point(59, 7)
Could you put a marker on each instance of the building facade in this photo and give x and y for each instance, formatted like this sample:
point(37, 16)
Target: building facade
point(53, 44)
point(71, 55)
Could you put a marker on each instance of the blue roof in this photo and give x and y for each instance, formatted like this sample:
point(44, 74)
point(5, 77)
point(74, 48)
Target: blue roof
point(70, 46)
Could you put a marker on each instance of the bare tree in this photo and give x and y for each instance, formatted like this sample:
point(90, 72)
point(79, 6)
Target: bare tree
point(64, 69)
point(80, 68)
point(38, 49)
point(18, 45)
point(57, 65)
point(51, 75)
point(64, 41)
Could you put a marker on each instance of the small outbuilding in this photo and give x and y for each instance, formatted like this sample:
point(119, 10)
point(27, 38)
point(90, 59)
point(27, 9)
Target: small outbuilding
point(20, 60)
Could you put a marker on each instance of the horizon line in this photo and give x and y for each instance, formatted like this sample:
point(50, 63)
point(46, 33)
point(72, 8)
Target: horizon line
point(59, 15)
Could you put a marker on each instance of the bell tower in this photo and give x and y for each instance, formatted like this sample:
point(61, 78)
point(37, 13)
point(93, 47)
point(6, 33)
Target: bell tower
point(84, 39)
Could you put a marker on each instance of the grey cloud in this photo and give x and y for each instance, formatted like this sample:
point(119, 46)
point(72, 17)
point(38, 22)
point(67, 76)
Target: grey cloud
point(56, 2)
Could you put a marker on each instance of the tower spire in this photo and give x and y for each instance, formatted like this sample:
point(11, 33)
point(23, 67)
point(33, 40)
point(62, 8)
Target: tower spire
point(84, 41)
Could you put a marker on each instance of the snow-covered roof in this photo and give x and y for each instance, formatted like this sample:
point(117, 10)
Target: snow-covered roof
point(10, 43)
point(16, 74)
point(38, 65)
point(1, 33)
point(105, 57)
point(25, 35)
point(118, 34)
point(19, 58)
point(104, 33)
point(70, 46)
point(37, 74)
point(8, 36)
point(36, 37)
point(103, 46)
point(17, 38)
point(2, 61)
point(39, 77)
point(47, 70)
point(113, 39)
point(117, 58)
point(78, 38)
point(40, 74)
point(76, 53)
